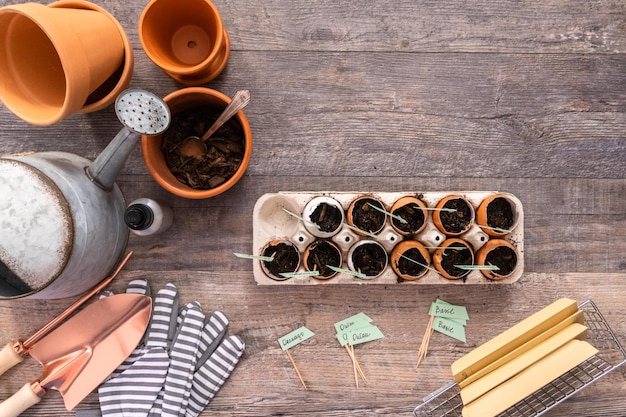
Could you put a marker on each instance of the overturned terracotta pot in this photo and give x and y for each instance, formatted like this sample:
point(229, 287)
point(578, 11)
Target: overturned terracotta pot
point(68, 57)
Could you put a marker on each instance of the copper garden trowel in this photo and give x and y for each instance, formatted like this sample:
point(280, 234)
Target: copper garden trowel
point(79, 354)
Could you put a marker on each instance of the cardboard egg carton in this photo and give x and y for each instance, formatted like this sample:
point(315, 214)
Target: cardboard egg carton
point(272, 221)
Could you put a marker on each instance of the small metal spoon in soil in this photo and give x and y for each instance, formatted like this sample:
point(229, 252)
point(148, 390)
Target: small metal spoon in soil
point(194, 146)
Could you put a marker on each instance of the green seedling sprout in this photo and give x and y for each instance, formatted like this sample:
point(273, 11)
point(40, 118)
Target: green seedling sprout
point(355, 274)
point(259, 257)
point(395, 216)
point(495, 229)
point(478, 267)
point(440, 209)
point(356, 229)
point(291, 213)
point(419, 263)
point(299, 274)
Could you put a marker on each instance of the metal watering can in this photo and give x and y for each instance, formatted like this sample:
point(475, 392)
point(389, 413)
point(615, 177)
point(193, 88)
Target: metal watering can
point(62, 224)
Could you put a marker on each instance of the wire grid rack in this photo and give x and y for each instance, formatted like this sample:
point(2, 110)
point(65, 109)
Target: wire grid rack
point(446, 401)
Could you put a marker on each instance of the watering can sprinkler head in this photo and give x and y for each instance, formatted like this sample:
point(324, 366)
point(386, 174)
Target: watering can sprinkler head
point(142, 113)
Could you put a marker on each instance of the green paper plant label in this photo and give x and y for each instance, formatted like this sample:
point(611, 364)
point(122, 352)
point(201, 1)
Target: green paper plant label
point(295, 337)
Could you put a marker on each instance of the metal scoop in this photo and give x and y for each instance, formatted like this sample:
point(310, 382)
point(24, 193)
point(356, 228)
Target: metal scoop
point(194, 146)
point(142, 113)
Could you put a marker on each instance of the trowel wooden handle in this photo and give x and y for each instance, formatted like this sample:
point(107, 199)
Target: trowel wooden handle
point(18, 402)
point(9, 358)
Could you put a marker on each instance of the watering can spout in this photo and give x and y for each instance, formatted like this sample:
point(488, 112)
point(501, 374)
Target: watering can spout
point(141, 113)
point(107, 166)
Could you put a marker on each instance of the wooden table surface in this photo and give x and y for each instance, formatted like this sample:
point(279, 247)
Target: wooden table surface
point(527, 97)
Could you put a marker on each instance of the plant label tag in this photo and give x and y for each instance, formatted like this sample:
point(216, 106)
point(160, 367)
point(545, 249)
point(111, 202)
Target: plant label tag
point(360, 335)
point(442, 309)
point(449, 327)
point(358, 320)
point(297, 336)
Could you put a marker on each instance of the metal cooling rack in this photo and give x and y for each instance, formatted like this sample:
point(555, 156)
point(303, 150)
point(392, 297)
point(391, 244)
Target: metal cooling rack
point(446, 402)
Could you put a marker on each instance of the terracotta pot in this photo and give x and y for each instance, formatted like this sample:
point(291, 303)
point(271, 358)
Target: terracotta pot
point(375, 221)
point(323, 216)
point(185, 38)
point(412, 210)
point(399, 263)
point(498, 214)
point(284, 253)
point(500, 253)
point(454, 223)
point(445, 257)
point(319, 254)
point(68, 57)
point(178, 101)
point(367, 266)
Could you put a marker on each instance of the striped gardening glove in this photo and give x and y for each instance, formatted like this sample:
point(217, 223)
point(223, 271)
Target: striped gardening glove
point(179, 368)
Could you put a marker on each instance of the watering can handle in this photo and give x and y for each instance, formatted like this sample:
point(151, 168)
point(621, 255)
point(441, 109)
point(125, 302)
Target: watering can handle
point(19, 402)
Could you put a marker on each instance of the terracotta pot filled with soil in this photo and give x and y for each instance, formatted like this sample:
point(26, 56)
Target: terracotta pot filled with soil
point(500, 253)
point(323, 216)
point(454, 215)
point(368, 257)
point(497, 215)
point(363, 216)
point(451, 254)
point(321, 254)
point(410, 260)
point(413, 211)
point(194, 110)
point(286, 259)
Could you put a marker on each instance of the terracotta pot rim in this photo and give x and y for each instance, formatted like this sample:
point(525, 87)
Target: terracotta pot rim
point(127, 64)
point(181, 189)
point(196, 73)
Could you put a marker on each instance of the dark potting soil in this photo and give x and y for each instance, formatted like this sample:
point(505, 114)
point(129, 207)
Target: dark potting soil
point(452, 257)
point(456, 221)
point(225, 148)
point(408, 267)
point(500, 214)
point(321, 254)
point(412, 214)
point(367, 218)
point(369, 259)
point(285, 259)
point(327, 217)
point(504, 258)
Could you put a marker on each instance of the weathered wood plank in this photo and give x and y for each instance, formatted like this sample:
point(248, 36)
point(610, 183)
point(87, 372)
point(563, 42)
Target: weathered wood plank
point(413, 115)
point(272, 388)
